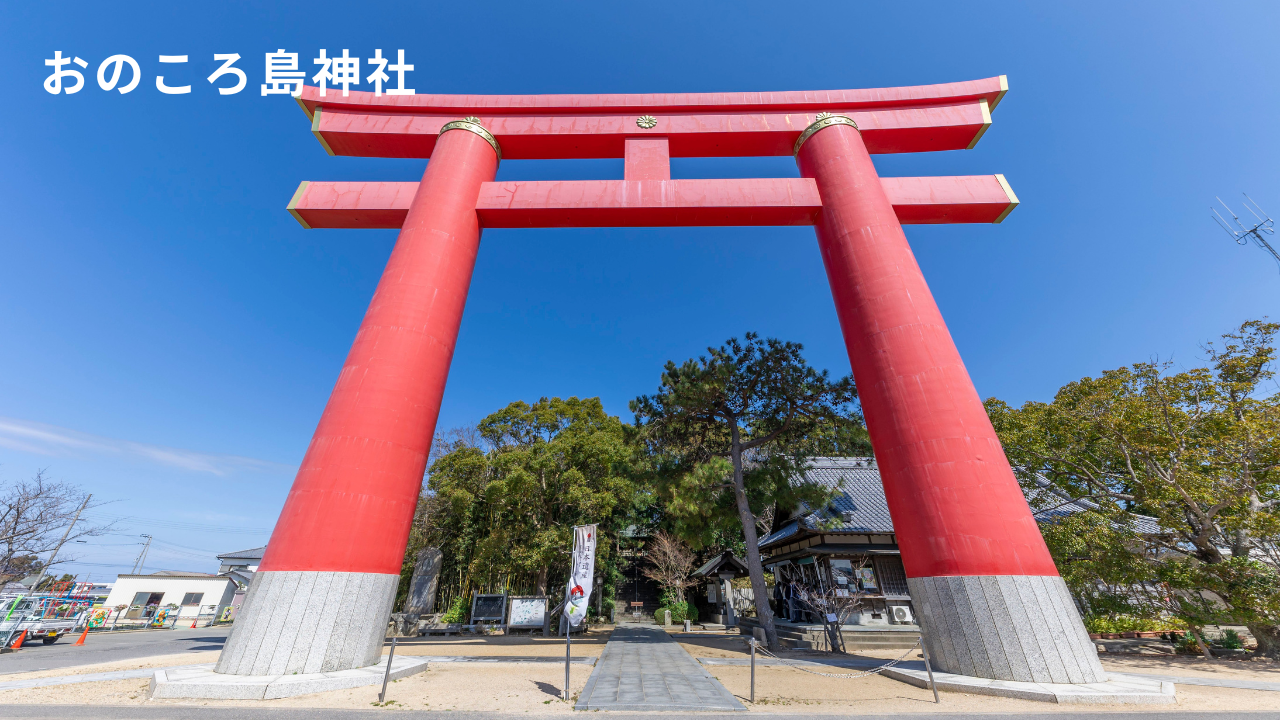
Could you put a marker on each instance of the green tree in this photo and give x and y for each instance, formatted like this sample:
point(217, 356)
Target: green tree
point(508, 511)
point(1199, 450)
point(729, 433)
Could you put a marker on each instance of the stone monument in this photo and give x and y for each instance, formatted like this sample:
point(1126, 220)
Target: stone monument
point(422, 588)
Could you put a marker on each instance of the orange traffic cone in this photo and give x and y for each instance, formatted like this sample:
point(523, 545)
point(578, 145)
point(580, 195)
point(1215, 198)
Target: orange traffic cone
point(193, 624)
point(18, 643)
point(83, 635)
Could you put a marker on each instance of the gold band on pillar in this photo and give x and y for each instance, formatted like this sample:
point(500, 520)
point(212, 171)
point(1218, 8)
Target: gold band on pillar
point(472, 124)
point(825, 119)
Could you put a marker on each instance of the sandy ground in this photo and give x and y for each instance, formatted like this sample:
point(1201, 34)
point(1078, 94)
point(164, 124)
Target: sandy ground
point(535, 688)
point(528, 687)
point(468, 645)
point(734, 646)
point(782, 689)
point(155, 661)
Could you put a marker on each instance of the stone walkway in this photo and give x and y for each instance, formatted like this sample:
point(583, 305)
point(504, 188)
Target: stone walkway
point(642, 668)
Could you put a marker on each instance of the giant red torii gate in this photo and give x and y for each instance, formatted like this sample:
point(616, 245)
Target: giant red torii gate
point(983, 583)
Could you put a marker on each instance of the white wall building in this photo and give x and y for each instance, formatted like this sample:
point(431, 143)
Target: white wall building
point(193, 593)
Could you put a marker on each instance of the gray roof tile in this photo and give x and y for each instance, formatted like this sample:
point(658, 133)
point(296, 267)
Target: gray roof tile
point(860, 507)
point(250, 554)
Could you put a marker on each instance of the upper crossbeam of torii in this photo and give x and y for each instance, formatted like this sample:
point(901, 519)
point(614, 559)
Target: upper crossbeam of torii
point(648, 130)
point(951, 116)
point(982, 581)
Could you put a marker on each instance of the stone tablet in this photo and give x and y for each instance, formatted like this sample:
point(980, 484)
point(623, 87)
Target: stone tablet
point(426, 576)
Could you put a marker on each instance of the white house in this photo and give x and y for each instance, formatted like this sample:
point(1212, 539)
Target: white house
point(194, 593)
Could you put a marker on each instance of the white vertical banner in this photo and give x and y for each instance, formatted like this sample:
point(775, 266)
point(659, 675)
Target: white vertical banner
point(580, 575)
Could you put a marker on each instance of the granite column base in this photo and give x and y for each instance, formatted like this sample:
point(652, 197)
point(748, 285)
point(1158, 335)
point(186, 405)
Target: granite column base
point(1005, 627)
point(309, 622)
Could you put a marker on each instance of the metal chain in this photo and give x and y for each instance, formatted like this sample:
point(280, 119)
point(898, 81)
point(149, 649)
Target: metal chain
point(886, 666)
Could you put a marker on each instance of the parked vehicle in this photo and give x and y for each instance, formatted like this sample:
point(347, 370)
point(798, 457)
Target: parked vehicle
point(46, 618)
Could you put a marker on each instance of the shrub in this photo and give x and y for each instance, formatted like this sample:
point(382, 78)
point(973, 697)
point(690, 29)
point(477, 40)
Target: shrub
point(680, 611)
point(457, 611)
point(1186, 643)
point(1231, 640)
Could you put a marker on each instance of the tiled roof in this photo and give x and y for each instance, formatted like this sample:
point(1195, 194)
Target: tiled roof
point(1049, 503)
point(860, 507)
point(725, 561)
point(250, 554)
point(243, 577)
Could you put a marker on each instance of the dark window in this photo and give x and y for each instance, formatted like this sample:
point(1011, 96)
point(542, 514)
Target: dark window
point(192, 598)
point(893, 578)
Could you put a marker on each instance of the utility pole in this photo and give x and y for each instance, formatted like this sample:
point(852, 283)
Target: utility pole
point(1245, 233)
point(54, 554)
point(142, 556)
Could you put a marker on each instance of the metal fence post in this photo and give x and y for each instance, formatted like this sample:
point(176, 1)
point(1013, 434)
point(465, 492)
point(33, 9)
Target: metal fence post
point(753, 669)
point(387, 675)
point(568, 643)
point(929, 668)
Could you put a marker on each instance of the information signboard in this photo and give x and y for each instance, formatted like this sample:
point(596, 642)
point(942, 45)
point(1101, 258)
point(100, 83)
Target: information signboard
point(527, 611)
point(488, 608)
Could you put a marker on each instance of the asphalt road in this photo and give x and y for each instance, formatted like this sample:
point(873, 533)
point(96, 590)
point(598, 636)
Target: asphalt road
point(110, 647)
point(188, 712)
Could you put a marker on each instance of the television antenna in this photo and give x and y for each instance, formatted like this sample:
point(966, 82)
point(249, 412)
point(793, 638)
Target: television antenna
point(1242, 236)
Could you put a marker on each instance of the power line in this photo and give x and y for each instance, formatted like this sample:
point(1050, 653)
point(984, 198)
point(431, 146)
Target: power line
point(177, 525)
point(1242, 236)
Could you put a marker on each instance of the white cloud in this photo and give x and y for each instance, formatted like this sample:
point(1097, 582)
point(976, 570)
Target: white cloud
point(54, 441)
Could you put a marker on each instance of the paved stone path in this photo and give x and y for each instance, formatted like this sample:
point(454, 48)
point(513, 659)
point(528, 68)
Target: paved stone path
point(642, 668)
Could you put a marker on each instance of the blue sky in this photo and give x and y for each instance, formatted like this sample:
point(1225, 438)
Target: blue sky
point(170, 334)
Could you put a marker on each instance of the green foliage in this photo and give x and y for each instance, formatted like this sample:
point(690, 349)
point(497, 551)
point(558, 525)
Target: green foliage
point(681, 610)
point(1198, 450)
point(503, 518)
point(1231, 640)
point(1187, 644)
point(1128, 623)
point(758, 398)
point(730, 431)
point(458, 611)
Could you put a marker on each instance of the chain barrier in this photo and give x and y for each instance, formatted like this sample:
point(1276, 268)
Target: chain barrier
point(789, 663)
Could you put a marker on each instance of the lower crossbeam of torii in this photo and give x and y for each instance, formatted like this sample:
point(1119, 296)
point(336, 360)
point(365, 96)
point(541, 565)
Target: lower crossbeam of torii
point(985, 588)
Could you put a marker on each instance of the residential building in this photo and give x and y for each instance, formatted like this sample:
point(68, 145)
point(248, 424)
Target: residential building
point(193, 593)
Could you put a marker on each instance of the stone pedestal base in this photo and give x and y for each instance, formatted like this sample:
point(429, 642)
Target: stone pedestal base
point(1116, 690)
point(308, 622)
point(202, 683)
point(1021, 628)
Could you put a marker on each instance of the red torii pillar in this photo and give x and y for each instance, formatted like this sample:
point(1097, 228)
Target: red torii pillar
point(985, 588)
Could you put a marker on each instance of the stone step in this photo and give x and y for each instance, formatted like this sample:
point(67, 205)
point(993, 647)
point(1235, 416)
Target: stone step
point(862, 639)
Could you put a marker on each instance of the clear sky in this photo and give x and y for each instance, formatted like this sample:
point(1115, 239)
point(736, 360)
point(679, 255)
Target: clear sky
point(169, 334)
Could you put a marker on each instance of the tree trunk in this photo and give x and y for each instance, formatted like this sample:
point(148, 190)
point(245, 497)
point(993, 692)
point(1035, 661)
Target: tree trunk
point(1198, 634)
point(1268, 637)
point(542, 581)
point(763, 613)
